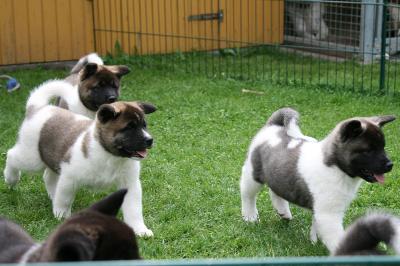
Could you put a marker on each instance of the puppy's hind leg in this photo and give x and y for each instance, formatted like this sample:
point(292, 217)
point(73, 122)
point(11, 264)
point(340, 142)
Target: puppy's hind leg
point(11, 171)
point(249, 189)
point(281, 206)
point(21, 157)
point(50, 180)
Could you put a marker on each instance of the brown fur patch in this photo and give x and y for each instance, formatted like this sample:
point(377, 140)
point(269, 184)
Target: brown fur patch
point(57, 136)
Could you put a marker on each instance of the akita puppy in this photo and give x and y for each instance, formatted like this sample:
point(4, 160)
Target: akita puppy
point(78, 151)
point(93, 85)
point(92, 234)
point(365, 234)
point(322, 176)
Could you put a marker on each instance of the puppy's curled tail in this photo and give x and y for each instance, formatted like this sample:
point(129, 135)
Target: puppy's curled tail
point(283, 117)
point(363, 236)
point(42, 95)
point(90, 58)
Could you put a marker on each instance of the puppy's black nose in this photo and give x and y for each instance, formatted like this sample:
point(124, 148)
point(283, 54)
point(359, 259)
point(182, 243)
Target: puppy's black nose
point(111, 99)
point(388, 166)
point(149, 142)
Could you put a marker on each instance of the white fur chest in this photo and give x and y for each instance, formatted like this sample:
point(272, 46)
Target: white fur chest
point(98, 168)
point(76, 106)
point(330, 187)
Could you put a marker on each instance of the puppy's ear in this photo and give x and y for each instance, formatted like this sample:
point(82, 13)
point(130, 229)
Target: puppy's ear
point(106, 113)
point(147, 108)
point(73, 246)
point(111, 204)
point(89, 70)
point(119, 70)
point(383, 119)
point(351, 129)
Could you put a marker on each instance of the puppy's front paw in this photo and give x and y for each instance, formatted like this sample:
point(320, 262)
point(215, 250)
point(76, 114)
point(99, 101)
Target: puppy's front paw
point(286, 216)
point(143, 232)
point(60, 213)
point(252, 218)
point(11, 177)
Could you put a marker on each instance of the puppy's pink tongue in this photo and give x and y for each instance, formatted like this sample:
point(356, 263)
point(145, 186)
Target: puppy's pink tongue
point(142, 154)
point(380, 178)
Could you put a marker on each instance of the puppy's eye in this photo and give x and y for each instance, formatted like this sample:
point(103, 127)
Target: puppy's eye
point(144, 124)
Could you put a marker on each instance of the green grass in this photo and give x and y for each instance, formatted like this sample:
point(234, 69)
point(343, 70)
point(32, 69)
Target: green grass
point(191, 179)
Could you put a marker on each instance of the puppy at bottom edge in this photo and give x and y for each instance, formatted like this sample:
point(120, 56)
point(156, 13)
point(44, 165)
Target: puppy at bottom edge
point(92, 234)
point(364, 236)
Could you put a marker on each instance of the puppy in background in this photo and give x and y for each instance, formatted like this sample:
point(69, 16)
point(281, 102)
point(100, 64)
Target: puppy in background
point(93, 85)
point(364, 235)
point(77, 151)
point(322, 176)
point(92, 234)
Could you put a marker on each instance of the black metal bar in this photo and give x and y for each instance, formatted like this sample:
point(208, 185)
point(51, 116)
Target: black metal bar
point(383, 48)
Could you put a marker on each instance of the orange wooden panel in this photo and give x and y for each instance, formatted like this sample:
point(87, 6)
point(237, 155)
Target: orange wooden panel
point(7, 29)
point(124, 25)
point(131, 28)
point(77, 21)
point(35, 30)
point(107, 25)
point(64, 29)
point(50, 36)
point(89, 27)
point(138, 26)
point(21, 22)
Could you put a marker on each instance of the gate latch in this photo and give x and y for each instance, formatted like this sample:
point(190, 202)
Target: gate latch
point(208, 16)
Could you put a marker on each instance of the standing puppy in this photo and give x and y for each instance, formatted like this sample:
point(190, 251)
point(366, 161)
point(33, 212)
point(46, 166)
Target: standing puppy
point(92, 234)
point(321, 176)
point(77, 151)
point(93, 85)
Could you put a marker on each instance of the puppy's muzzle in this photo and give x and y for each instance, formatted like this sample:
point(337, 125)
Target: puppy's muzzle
point(388, 166)
point(148, 142)
point(111, 99)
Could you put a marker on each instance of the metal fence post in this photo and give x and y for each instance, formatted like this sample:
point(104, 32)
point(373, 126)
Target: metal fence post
point(367, 25)
point(383, 47)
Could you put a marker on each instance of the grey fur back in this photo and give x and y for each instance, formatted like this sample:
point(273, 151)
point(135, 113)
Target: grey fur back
point(277, 167)
point(14, 241)
point(283, 116)
point(57, 136)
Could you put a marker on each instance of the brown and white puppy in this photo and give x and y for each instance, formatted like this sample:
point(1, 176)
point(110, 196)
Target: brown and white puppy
point(77, 151)
point(93, 85)
point(92, 234)
point(321, 176)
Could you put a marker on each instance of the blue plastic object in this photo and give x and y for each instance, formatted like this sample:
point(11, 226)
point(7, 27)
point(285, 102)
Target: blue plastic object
point(12, 84)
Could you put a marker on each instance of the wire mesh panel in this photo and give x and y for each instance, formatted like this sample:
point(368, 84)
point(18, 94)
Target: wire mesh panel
point(348, 45)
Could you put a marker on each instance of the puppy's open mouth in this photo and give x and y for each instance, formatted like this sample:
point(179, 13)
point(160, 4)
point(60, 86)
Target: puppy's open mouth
point(134, 154)
point(140, 154)
point(372, 177)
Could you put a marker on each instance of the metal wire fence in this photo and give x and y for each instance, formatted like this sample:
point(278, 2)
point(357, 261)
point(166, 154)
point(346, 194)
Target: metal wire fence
point(349, 45)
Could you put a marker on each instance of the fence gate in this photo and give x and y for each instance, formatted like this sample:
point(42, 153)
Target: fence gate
point(165, 26)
